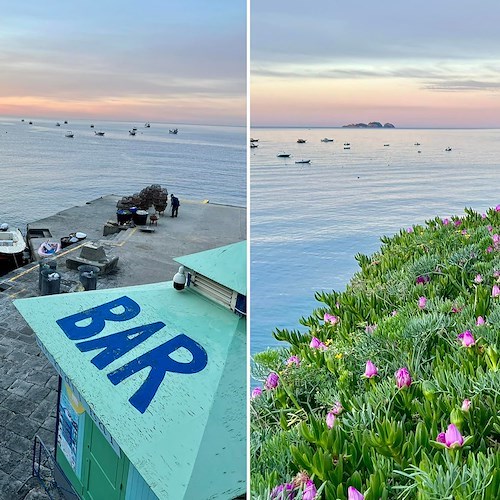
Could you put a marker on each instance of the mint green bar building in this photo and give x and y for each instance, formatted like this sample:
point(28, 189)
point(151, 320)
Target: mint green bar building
point(153, 392)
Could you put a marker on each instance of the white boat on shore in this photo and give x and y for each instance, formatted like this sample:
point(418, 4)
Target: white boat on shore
point(12, 246)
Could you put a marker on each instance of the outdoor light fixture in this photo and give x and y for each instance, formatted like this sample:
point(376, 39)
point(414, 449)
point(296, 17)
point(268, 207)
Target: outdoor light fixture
point(180, 279)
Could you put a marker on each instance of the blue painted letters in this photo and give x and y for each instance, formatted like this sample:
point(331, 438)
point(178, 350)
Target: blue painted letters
point(115, 345)
point(118, 344)
point(99, 315)
point(161, 363)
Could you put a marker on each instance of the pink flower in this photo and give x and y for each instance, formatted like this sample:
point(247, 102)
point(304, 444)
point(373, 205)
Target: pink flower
point(478, 279)
point(489, 250)
point(272, 381)
point(464, 231)
point(293, 360)
point(467, 339)
point(497, 208)
point(256, 392)
point(483, 216)
point(458, 222)
point(370, 370)
point(409, 230)
point(310, 491)
point(490, 228)
point(370, 329)
point(441, 438)
point(317, 344)
point(479, 321)
point(337, 408)
point(330, 419)
point(496, 274)
point(422, 301)
point(466, 404)
point(495, 291)
point(453, 438)
point(283, 492)
point(394, 313)
point(403, 378)
point(330, 318)
point(354, 494)
point(422, 280)
point(496, 239)
point(446, 222)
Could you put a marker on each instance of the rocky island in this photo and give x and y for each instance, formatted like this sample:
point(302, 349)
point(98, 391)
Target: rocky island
point(369, 125)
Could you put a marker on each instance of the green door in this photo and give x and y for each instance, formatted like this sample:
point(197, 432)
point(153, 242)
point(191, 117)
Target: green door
point(105, 473)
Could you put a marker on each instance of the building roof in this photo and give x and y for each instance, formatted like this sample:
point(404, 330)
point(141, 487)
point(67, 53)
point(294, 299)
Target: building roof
point(189, 440)
point(225, 265)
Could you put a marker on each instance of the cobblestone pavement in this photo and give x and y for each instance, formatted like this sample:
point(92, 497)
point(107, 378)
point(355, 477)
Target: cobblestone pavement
point(28, 398)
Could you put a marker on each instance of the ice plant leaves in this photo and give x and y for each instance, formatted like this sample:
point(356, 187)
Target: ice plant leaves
point(419, 388)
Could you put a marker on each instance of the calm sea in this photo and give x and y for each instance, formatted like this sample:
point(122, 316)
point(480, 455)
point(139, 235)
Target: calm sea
point(43, 172)
point(309, 221)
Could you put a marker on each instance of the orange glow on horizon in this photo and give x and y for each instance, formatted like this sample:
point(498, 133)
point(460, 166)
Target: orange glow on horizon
point(223, 111)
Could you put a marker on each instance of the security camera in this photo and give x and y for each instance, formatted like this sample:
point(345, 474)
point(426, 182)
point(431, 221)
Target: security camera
point(180, 279)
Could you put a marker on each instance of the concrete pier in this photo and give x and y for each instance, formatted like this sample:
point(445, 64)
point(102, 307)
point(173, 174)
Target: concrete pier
point(28, 383)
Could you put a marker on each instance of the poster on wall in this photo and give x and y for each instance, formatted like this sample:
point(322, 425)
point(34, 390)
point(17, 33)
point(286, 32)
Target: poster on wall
point(70, 413)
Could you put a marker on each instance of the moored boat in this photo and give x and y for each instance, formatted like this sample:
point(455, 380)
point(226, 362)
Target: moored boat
point(253, 140)
point(69, 134)
point(173, 130)
point(326, 140)
point(12, 246)
point(99, 133)
point(253, 145)
point(301, 141)
point(303, 161)
point(282, 154)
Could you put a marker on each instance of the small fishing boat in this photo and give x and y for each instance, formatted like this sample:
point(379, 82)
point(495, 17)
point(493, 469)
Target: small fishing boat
point(48, 248)
point(58, 124)
point(283, 155)
point(448, 149)
point(303, 161)
point(132, 132)
point(91, 125)
point(65, 122)
point(347, 143)
point(147, 125)
point(386, 144)
point(347, 147)
point(173, 130)
point(417, 144)
point(253, 145)
point(99, 133)
point(69, 134)
point(12, 246)
point(253, 140)
point(301, 141)
point(326, 140)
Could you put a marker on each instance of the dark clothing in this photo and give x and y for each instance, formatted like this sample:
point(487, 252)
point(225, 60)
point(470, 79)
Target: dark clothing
point(174, 201)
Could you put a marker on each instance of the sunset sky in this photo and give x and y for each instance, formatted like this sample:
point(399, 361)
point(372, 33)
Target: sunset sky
point(180, 61)
point(414, 63)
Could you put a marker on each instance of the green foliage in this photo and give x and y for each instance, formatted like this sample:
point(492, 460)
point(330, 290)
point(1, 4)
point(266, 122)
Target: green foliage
point(383, 442)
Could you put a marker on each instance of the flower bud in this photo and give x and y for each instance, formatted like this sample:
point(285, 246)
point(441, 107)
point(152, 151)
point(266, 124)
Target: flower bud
point(457, 418)
point(429, 390)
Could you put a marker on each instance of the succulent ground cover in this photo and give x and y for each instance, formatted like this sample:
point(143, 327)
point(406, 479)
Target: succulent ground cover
point(394, 390)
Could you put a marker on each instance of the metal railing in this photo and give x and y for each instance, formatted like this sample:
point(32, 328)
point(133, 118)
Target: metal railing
point(46, 470)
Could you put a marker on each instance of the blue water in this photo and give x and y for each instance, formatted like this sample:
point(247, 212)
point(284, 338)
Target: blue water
point(42, 171)
point(309, 221)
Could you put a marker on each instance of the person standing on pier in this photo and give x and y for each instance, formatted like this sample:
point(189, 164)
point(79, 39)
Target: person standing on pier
point(174, 202)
